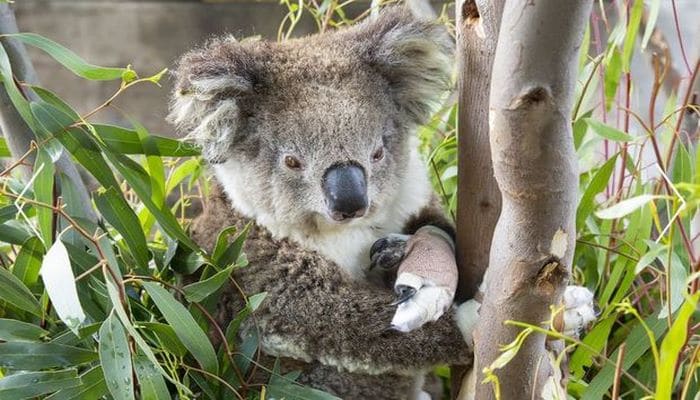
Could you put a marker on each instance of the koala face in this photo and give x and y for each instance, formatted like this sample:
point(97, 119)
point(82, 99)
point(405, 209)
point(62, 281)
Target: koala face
point(314, 132)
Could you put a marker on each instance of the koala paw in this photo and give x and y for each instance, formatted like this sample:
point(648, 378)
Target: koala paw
point(419, 301)
point(579, 310)
point(387, 252)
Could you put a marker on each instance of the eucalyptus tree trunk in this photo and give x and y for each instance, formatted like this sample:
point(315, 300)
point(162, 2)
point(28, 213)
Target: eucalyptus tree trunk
point(532, 89)
point(478, 198)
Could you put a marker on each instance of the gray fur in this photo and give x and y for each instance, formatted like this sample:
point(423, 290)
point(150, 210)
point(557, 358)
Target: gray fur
point(324, 99)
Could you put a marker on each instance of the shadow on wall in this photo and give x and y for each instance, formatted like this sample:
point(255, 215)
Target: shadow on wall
point(148, 35)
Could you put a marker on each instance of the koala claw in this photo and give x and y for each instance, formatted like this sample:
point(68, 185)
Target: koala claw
point(427, 303)
point(579, 309)
point(388, 252)
point(403, 293)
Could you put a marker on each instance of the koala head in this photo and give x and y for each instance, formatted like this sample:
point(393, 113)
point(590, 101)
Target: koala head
point(314, 131)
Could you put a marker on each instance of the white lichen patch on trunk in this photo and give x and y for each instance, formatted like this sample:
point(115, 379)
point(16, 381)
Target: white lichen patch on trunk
point(559, 243)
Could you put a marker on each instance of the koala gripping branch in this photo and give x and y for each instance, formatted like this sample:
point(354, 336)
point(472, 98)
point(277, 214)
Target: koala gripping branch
point(535, 167)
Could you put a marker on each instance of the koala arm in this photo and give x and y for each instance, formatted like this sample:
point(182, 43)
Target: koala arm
point(314, 311)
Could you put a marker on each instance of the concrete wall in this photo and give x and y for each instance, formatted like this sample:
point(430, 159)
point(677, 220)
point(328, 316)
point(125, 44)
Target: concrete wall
point(148, 35)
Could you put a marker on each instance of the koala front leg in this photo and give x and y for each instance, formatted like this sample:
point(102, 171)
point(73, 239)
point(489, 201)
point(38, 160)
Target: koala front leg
point(315, 311)
point(427, 274)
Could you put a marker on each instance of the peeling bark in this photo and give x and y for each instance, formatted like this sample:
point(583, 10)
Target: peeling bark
point(535, 166)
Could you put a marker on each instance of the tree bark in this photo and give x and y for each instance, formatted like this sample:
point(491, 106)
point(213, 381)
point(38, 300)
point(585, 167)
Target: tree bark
point(532, 89)
point(478, 197)
point(16, 132)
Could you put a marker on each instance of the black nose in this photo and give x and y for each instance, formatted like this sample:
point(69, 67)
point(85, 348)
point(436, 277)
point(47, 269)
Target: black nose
point(345, 188)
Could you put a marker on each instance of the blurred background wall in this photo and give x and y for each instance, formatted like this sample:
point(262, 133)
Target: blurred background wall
point(149, 35)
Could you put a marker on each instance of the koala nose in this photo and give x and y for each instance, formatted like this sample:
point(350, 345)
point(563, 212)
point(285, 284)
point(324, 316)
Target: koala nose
point(345, 188)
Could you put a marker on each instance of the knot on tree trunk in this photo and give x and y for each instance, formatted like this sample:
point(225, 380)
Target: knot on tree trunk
point(531, 97)
point(550, 278)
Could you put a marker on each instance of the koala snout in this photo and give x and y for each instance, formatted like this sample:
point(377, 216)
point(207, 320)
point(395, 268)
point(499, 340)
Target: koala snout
point(345, 188)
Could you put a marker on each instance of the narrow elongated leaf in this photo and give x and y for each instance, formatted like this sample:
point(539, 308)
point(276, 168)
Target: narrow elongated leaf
point(14, 292)
point(233, 251)
point(635, 18)
point(626, 206)
point(185, 326)
point(151, 382)
point(69, 59)
point(597, 185)
point(199, 291)
point(126, 141)
point(28, 261)
point(139, 181)
point(166, 337)
point(671, 348)
point(78, 142)
point(121, 216)
point(675, 294)
point(4, 149)
point(608, 132)
point(37, 356)
point(115, 359)
point(59, 281)
point(43, 193)
point(92, 386)
point(32, 384)
point(143, 346)
point(11, 330)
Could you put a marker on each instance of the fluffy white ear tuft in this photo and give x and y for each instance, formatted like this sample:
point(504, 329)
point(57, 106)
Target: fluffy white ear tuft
point(415, 57)
point(205, 105)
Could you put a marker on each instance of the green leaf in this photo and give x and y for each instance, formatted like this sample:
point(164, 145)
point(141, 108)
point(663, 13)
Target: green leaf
point(83, 148)
point(677, 289)
point(185, 326)
point(14, 233)
point(151, 382)
point(51, 98)
point(16, 97)
point(69, 59)
point(198, 291)
point(59, 282)
point(126, 141)
point(635, 18)
point(598, 183)
point(4, 149)
point(92, 386)
point(672, 346)
point(37, 356)
point(28, 261)
point(121, 216)
point(613, 72)
point(597, 338)
point(637, 346)
point(32, 384)
point(142, 345)
point(166, 337)
point(626, 206)
point(139, 181)
point(115, 359)
point(14, 292)
point(607, 131)
point(231, 254)
point(43, 193)
point(654, 252)
point(282, 387)
point(11, 330)
point(682, 165)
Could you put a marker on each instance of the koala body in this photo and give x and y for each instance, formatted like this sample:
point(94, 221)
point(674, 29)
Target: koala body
point(314, 141)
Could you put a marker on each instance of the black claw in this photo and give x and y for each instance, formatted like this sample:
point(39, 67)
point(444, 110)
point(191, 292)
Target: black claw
point(378, 246)
point(403, 293)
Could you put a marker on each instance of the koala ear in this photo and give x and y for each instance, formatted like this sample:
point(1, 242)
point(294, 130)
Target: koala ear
point(206, 102)
point(414, 55)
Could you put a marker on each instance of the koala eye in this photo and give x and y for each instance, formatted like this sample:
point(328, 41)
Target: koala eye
point(378, 154)
point(292, 162)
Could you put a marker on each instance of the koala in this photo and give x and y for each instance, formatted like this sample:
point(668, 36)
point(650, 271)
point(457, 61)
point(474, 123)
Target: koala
point(313, 141)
